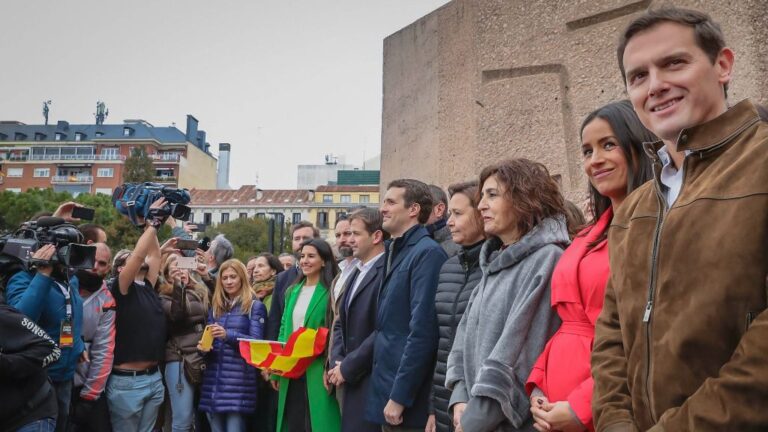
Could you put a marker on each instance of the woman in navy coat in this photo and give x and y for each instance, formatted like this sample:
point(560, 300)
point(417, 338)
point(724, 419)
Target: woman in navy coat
point(229, 387)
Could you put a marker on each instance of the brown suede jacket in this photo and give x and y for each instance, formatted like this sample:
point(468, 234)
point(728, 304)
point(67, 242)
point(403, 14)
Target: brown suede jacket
point(682, 341)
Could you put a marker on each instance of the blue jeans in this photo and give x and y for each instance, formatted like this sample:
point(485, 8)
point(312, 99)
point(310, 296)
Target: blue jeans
point(44, 425)
point(227, 422)
point(182, 401)
point(63, 400)
point(134, 402)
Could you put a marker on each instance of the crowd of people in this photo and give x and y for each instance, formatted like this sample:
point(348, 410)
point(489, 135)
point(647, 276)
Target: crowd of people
point(494, 307)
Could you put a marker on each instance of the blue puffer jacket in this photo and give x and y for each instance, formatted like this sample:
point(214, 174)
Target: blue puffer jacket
point(229, 383)
point(38, 297)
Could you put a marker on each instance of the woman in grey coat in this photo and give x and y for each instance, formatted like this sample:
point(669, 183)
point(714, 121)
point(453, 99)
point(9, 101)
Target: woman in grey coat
point(509, 319)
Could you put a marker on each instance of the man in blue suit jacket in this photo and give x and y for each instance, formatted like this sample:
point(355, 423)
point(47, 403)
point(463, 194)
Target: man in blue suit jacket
point(406, 322)
point(354, 330)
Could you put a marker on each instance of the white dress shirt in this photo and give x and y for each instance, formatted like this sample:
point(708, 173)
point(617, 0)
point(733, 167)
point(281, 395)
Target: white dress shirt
point(363, 269)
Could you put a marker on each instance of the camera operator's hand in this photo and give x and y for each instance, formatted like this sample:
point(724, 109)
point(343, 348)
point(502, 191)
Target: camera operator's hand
point(169, 246)
point(65, 211)
point(153, 219)
point(189, 227)
point(44, 254)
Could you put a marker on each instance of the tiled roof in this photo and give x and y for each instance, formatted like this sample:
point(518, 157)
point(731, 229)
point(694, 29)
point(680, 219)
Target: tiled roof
point(345, 188)
point(163, 134)
point(249, 195)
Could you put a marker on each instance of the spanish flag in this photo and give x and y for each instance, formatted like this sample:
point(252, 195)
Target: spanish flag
point(289, 360)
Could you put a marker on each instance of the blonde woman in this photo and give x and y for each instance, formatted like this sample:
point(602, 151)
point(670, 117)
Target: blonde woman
point(229, 384)
point(185, 304)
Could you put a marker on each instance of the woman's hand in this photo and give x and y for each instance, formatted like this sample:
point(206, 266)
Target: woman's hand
point(169, 246)
point(275, 385)
point(218, 331)
point(458, 411)
point(555, 416)
point(430, 424)
point(200, 348)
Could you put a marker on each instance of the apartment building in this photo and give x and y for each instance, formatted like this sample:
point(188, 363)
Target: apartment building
point(80, 158)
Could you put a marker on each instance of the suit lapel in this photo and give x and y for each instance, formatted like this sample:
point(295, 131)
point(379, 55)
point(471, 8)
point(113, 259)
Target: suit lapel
point(369, 277)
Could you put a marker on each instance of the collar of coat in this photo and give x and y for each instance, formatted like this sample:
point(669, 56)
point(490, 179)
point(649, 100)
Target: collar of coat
point(550, 231)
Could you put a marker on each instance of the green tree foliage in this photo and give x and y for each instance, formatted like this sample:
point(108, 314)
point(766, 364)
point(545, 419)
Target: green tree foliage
point(138, 167)
point(250, 236)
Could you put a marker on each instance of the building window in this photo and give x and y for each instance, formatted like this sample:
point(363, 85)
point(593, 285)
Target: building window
point(327, 198)
point(105, 172)
point(79, 136)
point(14, 190)
point(42, 172)
point(340, 215)
point(39, 136)
point(18, 136)
point(346, 199)
point(15, 172)
point(224, 217)
point(261, 215)
point(295, 218)
point(59, 136)
point(109, 152)
point(365, 199)
point(322, 220)
point(105, 191)
point(127, 131)
point(99, 134)
point(243, 215)
point(207, 218)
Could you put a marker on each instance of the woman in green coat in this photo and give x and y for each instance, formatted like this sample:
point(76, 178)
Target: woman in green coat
point(304, 404)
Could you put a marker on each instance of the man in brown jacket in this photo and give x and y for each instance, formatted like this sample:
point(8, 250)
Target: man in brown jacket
point(682, 342)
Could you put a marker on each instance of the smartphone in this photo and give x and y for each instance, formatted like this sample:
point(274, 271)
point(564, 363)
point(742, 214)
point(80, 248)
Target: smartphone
point(200, 227)
point(189, 263)
point(185, 244)
point(206, 342)
point(83, 213)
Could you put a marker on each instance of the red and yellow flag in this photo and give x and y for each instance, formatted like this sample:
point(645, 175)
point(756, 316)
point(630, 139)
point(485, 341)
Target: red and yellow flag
point(290, 359)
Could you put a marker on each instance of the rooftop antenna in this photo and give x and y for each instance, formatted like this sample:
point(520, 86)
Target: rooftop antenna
point(101, 112)
point(46, 104)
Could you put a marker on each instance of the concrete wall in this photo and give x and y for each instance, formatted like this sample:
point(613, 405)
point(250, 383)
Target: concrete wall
point(197, 169)
point(480, 80)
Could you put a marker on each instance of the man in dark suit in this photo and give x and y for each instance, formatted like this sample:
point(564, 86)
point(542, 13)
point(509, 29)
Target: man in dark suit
point(406, 322)
point(352, 355)
point(300, 233)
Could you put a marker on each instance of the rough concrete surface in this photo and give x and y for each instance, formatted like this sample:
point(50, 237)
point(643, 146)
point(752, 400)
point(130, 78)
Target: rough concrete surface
point(477, 81)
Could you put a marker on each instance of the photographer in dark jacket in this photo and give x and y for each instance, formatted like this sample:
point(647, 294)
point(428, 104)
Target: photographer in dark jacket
point(27, 399)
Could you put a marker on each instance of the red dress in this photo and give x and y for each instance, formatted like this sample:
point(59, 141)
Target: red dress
point(562, 371)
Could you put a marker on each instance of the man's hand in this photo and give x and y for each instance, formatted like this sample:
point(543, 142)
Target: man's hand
point(84, 357)
point(431, 426)
point(458, 411)
point(189, 227)
point(335, 375)
point(65, 211)
point(393, 413)
point(44, 254)
point(326, 382)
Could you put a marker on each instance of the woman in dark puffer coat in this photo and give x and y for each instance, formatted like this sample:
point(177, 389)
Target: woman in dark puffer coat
point(458, 276)
point(229, 383)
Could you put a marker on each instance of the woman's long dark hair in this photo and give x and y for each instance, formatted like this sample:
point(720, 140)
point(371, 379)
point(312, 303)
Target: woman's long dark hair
point(631, 135)
point(329, 270)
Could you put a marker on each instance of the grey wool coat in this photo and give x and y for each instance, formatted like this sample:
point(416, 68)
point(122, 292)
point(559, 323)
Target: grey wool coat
point(504, 329)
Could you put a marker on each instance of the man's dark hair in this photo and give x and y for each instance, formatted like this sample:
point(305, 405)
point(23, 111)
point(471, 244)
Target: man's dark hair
point(272, 260)
point(91, 232)
point(707, 33)
point(371, 218)
point(305, 224)
point(416, 192)
point(341, 218)
point(438, 195)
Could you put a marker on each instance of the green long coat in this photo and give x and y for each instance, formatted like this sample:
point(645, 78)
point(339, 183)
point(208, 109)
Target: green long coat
point(323, 408)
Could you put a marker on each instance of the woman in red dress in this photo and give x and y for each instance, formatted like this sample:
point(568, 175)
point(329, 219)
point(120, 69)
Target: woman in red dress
point(560, 384)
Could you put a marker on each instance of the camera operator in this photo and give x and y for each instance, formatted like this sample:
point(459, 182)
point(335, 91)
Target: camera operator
point(27, 400)
point(135, 389)
point(89, 409)
point(53, 302)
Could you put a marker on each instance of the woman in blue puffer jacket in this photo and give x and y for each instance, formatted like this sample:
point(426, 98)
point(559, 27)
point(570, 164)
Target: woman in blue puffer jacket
point(228, 394)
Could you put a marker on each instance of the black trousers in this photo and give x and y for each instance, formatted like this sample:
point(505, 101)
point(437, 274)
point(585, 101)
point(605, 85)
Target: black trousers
point(85, 418)
point(296, 412)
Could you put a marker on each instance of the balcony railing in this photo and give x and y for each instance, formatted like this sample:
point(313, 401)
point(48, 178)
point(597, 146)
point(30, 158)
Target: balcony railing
point(159, 157)
point(165, 179)
point(72, 179)
point(93, 157)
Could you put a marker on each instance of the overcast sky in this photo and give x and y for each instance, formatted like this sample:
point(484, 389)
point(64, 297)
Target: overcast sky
point(284, 81)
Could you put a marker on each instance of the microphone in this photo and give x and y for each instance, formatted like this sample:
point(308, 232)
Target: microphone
point(49, 221)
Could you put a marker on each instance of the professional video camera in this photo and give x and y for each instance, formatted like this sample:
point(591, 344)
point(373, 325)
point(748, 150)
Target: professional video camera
point(134, 200)
point(22, 244)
